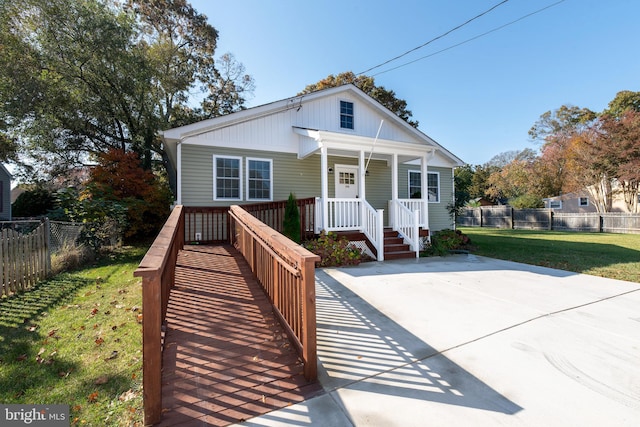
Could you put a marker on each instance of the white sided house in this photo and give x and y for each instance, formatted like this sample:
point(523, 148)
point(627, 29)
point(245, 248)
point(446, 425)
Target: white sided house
point(367, 168)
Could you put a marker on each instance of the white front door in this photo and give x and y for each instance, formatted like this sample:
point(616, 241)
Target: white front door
point(346, 182)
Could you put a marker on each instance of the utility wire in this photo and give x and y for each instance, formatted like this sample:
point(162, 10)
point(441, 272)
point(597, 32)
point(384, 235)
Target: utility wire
point(435, 38)
point(468, 40)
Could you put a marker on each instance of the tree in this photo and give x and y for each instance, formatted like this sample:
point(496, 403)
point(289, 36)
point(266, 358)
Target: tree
point(87, 76)
point(624, 101)
point(462, 178)
point(291, 222)
point(367, 84)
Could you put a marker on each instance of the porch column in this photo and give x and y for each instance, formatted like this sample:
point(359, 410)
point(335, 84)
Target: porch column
point(394, 190)
point(425, 191)
point(361, 183)
point(324, 179)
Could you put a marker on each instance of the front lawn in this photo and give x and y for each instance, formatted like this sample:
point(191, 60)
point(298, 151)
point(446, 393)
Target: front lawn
point(76, 339)
point(616, 256)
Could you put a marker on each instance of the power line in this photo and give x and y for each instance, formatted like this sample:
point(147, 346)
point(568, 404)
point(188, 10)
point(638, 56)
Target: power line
point(435, 38)
point(468, 40)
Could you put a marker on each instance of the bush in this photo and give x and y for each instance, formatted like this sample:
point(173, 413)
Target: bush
point(526, 201)
point(291, 223)
point(32, 203)
point(335, 251)
point(445, 241)
point(71, 257)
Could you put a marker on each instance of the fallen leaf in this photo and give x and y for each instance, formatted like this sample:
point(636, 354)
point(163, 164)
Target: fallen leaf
point(127, 396)
point(139, 318)
point(113, 355)
point(264, 399)
point(52, 332)
point(114, 327)
point(135, 308)
point(93, 397)
point(21, 358)
point(102, 380)
point(94, 311)
point(107, 312)
point(77, 408)
point(133, 376)
point(83, 327)
point(99, 340)
point(33, 328)
point(41, 351)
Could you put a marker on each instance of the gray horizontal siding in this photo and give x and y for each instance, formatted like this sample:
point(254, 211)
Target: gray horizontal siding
point(439, 217)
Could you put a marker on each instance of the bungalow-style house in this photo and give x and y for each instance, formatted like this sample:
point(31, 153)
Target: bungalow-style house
point(581, 202)
point(367, 168)
point(5, 194)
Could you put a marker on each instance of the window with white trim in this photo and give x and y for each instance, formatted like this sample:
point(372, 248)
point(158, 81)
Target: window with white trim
point(259, 179)
point(433, 186)
point(346, 115)
point(227, 182)
point(583, 201)
point(555, 204)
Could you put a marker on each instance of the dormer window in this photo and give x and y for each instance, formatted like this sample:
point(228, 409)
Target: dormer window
point(346, 115)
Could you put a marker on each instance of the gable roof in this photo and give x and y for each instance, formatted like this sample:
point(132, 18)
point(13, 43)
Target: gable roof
point(173, 137)
point(4, 169)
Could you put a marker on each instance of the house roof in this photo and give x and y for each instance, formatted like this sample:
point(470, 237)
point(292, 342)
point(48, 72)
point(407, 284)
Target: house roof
point(173, 137)
point(5, 170)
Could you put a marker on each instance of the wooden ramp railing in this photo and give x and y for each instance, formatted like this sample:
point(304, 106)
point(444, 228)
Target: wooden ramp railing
point(286, 272)
point(157, 269)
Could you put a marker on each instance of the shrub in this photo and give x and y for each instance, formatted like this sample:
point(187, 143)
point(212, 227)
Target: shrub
point(70, 257)
point(335, 251)
point(32, 203)
point(526, 201)
point(291, 222)
point(445, 241)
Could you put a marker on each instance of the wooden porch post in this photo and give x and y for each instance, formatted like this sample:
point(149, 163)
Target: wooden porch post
point(324, 178)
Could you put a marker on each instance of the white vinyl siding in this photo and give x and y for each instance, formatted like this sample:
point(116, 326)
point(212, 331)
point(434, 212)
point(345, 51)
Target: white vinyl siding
point(259, 179)
point(227, 178)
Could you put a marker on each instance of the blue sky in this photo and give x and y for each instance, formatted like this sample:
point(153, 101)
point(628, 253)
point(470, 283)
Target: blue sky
point(478, 99)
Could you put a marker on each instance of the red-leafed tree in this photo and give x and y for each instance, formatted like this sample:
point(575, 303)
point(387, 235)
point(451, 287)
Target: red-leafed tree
point(120, 177)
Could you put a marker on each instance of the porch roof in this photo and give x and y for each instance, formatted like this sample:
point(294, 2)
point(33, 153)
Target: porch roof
point(312, 140)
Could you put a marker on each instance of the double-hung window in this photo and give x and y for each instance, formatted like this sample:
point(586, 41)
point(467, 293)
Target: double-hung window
point(227, 173)
point(583, 201)
point(259, 179)
point(433, 186)
point(346, 115)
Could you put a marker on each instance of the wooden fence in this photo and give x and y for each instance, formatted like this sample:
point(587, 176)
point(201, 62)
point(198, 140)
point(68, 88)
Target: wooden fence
point(547, 219)
point(286, 272)
point(25, 259)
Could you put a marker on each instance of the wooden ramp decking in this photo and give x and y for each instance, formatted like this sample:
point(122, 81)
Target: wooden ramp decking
point(226, 357)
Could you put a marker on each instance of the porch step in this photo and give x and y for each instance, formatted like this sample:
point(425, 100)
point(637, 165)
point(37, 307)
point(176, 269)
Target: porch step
point(394, 246)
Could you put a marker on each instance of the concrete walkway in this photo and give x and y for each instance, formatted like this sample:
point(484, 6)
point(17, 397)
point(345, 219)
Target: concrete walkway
point(466, 340)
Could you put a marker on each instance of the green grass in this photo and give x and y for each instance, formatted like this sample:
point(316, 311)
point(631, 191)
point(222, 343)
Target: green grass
point(615, 256)
point(58, 343)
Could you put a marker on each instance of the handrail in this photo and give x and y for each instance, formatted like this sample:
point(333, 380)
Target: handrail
point(416, 205)
point(344, 214)
point(407, 224)
point(373, 227)
point(286, 272)
point(157, 270)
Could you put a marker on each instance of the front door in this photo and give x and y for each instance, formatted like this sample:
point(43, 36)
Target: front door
point(346, 182)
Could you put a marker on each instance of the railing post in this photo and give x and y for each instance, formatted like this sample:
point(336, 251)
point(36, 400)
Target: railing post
point(416, 233)
point(380, 233)
point(151, 348)
point(309, 347)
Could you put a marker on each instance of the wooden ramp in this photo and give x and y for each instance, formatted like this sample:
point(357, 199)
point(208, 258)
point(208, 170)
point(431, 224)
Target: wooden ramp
point(226, 357)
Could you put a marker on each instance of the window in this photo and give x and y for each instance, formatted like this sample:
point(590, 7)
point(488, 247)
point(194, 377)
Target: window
point(583, 201)
point(346, 115)
point(555, 204)
point(226, 178)
point(433, 186)
point(347, 178)
point(259, 179)
point(415, 184)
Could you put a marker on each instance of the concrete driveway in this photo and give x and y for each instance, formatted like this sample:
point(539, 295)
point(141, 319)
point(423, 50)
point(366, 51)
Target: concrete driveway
point(467, 340)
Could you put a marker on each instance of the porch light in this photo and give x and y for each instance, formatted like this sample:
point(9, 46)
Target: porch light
point(366, 173)
point(330, 171)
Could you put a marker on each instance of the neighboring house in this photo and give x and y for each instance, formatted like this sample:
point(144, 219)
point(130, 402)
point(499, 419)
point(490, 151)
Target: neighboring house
point(5, 194)
point(338, 145)
point(581, 202)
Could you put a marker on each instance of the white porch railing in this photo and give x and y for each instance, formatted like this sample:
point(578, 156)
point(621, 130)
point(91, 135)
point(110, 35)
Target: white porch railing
point(406, 223)
point(415, 205)
point(353, 215)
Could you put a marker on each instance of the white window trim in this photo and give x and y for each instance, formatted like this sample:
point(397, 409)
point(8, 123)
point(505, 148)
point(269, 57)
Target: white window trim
point(215, 177)
point(422, 193)
point(580, 201)
point(270, 161)
point(353, 104)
